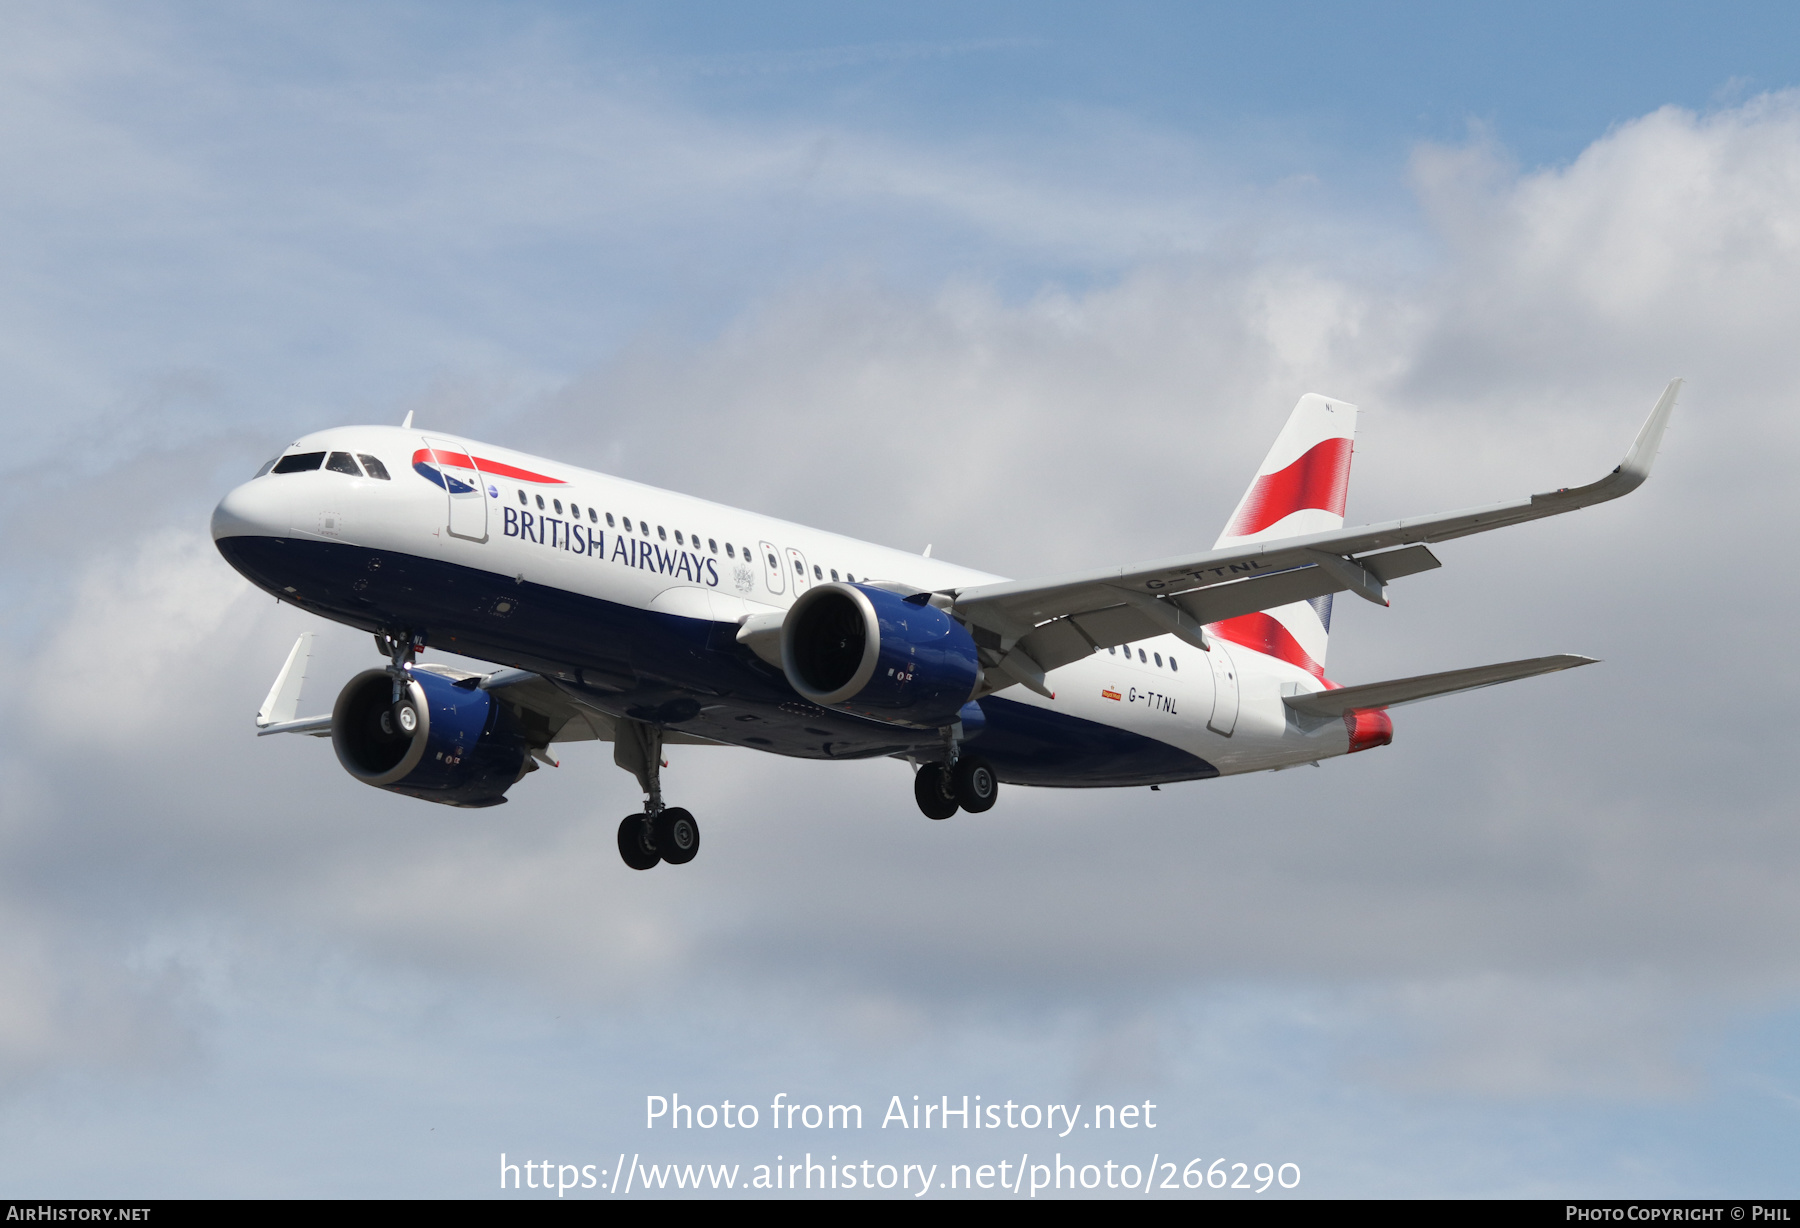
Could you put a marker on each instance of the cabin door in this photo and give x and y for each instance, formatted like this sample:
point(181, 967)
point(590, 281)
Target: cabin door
point(464, 488)
point(1225, 689)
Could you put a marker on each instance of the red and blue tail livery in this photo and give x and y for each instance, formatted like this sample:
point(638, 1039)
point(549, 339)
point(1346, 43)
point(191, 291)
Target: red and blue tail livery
point(576, 606)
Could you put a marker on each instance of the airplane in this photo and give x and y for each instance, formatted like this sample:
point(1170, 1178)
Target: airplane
point(615, 611)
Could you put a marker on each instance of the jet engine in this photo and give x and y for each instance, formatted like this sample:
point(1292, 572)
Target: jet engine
point(440, 741)
point(874, 653)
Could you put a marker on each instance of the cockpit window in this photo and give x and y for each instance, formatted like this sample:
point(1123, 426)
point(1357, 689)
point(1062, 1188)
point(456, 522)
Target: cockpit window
point(299, 462)
point(376, 468)
point(266, 466)
point(343, 462)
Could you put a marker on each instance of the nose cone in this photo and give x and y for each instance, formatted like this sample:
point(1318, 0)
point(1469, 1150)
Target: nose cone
point(249, 511)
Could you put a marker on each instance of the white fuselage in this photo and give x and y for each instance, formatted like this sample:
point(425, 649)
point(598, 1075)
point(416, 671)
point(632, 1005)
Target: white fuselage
point(565, 529)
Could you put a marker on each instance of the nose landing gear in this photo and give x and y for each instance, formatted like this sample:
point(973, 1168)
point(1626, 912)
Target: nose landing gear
point(660, 833)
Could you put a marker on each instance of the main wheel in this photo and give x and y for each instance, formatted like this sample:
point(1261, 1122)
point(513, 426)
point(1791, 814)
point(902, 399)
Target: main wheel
point(932, 790)
point(974, 783)
point(636, 843)
point(677, 836)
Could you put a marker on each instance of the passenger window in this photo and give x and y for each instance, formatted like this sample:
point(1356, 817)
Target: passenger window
point(593, 516)
point(678, 540)
point(644, 527)
point(834, 574)
point(558, 503)
point(712, 545)
point(1141, 658)
point(1158, 657)
point(628, 524)
point(609, 521)
point(799, 568)
point(730, 553)
point(817, 574)
point(1112, 652)
point(523, 502)
point(662, 536)
point(849, 579)
point(299, 462)
point(574, 511)
point(1174, 666)
point(540, 502)
point(376, 468)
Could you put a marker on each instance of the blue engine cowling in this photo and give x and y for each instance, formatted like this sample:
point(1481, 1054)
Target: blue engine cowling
point(441, 742)
point(876, 654)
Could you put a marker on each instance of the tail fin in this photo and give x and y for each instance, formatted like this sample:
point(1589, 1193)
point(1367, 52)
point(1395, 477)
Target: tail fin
point(1299, 488)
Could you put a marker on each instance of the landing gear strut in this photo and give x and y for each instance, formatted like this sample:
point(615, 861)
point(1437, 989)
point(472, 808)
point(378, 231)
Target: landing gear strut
point(400, 649)
point(660, 833)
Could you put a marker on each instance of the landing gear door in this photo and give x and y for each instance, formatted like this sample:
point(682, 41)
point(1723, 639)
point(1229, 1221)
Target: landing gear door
point(797, 564)
point(1225, 689)
point(465, 488)
point(772, 569)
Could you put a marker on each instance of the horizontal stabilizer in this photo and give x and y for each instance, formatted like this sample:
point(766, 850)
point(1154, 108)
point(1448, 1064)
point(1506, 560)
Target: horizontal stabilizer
point(1426, 686)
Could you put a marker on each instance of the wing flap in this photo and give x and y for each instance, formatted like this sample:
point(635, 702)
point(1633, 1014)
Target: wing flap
point(1396, 564)
point(1211, 605)
point(1119, 625)
point(1426, 686)
point(1057, 644)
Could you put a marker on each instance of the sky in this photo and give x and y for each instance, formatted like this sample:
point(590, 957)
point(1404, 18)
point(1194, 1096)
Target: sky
point(1035, 284)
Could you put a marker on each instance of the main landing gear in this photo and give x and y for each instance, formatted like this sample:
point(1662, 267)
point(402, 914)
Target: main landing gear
point(660, 833)
point(958, 782)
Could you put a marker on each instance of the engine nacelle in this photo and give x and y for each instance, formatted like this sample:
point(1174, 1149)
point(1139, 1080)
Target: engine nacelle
point(441, 742)
point(874, 653)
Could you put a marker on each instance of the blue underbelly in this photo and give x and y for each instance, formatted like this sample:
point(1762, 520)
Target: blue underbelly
point(686, 674)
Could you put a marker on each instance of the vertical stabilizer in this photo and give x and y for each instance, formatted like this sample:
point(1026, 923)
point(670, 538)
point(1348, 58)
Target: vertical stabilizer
point(1300, 488)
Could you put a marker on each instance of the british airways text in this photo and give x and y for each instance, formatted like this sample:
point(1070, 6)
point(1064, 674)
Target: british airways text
point(631, 551)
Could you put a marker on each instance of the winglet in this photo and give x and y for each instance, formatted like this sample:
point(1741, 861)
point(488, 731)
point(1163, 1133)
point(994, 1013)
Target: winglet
point(284, 697)
point(1636, 465)
point(1630, 473)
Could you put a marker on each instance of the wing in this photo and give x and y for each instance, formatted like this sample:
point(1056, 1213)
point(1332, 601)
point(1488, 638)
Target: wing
point(544, 710)
point(549, 714)
point(1027, 628)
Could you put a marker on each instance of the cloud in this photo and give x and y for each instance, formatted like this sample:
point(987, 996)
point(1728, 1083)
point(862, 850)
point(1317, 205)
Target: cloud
point(1518, 902)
